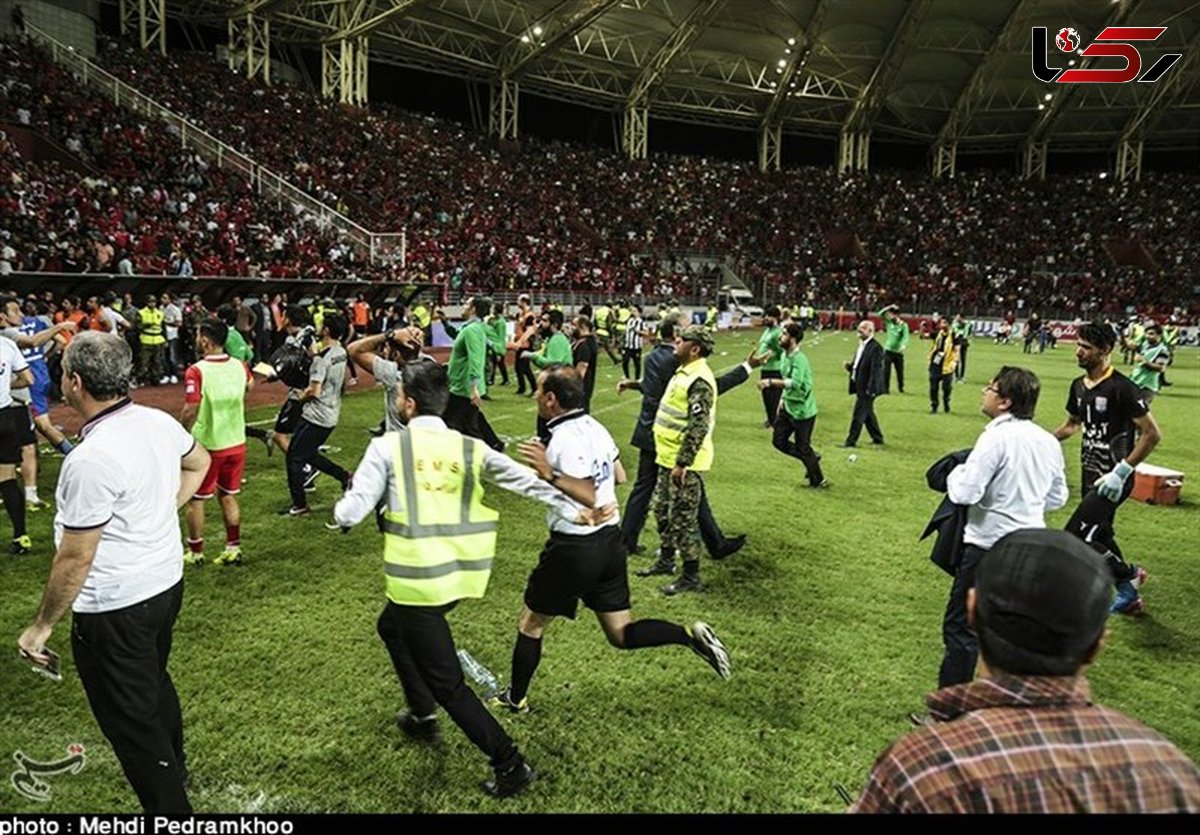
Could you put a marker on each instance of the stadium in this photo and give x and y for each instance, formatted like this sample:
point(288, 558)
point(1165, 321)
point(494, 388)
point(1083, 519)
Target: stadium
point(726, 167)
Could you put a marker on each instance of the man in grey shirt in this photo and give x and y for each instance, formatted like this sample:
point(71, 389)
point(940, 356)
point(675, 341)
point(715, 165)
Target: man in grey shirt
point(401, 346)
point(322, 405)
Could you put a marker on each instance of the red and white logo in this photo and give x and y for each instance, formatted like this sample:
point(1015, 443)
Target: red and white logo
point(1114, 42)
point(1067, 39)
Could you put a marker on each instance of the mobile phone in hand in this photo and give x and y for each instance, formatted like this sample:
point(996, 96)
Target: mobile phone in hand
point(53, 668)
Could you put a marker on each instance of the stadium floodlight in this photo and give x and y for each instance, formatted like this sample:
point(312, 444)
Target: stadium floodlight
point(537, 31)
point(1048, 96)
point(791, 41)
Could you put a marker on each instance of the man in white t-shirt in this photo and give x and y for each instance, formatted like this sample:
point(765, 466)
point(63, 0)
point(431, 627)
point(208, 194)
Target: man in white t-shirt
point(582, 563)
point(119, 567)
point(14, 374)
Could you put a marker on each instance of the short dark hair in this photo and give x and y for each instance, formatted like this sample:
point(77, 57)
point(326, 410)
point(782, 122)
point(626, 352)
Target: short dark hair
point(227, 314)
point(564, 383)
point(1153, 326)
point(337, 325)
point(214, 330)
point(1099, 334)
point(772, 311)
point(428, 386)
point(583, 322)
point(483, 306)
point(556, 318)
point(793, 330)
point(666, 328)
point(298, 315)
point(1021, 388)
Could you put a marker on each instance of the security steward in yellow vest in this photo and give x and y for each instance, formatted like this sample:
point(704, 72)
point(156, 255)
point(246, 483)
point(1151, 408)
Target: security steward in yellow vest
point(439, 542)
point(683, 430)
point(153, 341)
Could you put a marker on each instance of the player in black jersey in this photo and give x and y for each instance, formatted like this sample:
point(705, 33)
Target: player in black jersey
point(1118, 434)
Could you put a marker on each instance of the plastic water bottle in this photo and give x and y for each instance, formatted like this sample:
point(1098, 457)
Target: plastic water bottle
point(478, 673)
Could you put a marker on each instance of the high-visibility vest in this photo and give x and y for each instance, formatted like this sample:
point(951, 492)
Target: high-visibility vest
point(439, 547)
point(711, 319)
point(150, 326)
point(1170, 335)
point(221, 418)
point(602, 314)
point(670, 422)
point(362, 314)
point(623, 315)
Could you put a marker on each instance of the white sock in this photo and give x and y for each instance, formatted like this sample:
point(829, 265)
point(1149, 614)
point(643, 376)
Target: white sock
point(31, 494)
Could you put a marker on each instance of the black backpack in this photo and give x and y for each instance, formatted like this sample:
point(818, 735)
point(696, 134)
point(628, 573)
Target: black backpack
point(292, 364)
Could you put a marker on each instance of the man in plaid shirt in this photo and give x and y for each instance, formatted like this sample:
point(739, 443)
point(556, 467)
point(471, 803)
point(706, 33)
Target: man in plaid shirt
point(1025, 735)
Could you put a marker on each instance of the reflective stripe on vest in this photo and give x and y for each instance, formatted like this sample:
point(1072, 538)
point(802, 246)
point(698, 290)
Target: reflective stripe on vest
point(670, 421)
point(439, 547)
point(150, 327)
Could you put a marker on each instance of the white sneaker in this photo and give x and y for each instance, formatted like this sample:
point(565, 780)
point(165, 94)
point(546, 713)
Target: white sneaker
point(174, 379)
point(162, 381)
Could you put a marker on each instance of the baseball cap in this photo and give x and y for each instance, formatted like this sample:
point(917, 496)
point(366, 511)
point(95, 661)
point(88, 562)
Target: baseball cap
point(698, 334)
point(1042, 593)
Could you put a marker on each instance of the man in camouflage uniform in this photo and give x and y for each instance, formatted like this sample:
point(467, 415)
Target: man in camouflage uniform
point(683, 429)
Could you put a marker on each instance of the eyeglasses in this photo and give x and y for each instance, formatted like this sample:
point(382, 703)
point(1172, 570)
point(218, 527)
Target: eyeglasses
point(992, 388)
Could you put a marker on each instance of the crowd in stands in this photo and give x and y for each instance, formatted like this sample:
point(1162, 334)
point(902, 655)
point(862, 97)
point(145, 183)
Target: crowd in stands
point(137, 201)
point(584, 220)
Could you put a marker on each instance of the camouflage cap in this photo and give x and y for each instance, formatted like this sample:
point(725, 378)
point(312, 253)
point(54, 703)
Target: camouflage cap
point(698, 334)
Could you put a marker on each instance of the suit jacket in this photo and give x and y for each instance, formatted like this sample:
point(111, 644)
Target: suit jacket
point(949, 520)
point(657, 370)
point(867, 379)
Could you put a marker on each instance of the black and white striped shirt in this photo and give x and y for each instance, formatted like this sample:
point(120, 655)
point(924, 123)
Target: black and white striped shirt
point(633, 333)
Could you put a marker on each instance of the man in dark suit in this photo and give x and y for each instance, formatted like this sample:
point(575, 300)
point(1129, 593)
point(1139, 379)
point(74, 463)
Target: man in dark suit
point(657, 369)
point(866, 383)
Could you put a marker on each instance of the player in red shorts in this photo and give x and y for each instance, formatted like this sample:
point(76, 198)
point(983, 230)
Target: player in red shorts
point(215, 411)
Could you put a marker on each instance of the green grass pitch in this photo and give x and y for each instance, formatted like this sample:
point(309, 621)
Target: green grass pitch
point(831, 613)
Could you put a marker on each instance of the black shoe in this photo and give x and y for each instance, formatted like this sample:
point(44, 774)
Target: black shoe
point(947, 409)
point(877, 443)
point(933, 410)
point(636, 550)
point(824, 484)
point(688, 582)
point(730, 547)
point(422, 730)
point(512, 781)
point(848, 445)
point(659, 566)
point(293, 511)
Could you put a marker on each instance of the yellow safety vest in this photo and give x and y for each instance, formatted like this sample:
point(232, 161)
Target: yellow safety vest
point(602, 314)
point(150, 326)
point(670, 422)
point(623, 315)
point(439, 547)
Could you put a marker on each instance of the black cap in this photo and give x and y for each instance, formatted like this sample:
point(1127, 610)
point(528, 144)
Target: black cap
point(1044, 593)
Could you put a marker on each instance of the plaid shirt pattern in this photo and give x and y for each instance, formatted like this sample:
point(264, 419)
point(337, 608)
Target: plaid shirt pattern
point(1029, 744)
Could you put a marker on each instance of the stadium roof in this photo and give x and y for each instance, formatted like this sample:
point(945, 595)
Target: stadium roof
point(920, 71)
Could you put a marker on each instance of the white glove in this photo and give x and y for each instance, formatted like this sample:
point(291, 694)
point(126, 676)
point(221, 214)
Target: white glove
point(1110, 485)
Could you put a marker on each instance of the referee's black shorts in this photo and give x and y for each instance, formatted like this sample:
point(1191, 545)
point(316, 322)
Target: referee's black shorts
point(16, 431)
point(289, 417)
point(571, 568)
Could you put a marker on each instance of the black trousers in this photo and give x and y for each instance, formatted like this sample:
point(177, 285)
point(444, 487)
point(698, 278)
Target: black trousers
point(422, 649)
point(496, 362)
point(122, 661)
point(962, 647)
point(524, 374)
point(893, 359)
point(637, 508)
point(464, 416)
point(864, 415)
point(770, 396)
point(960, 370)
point(305, 449)
point(785, 427)
point(946, 382)
point(631, 356)
point(1093, 522)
